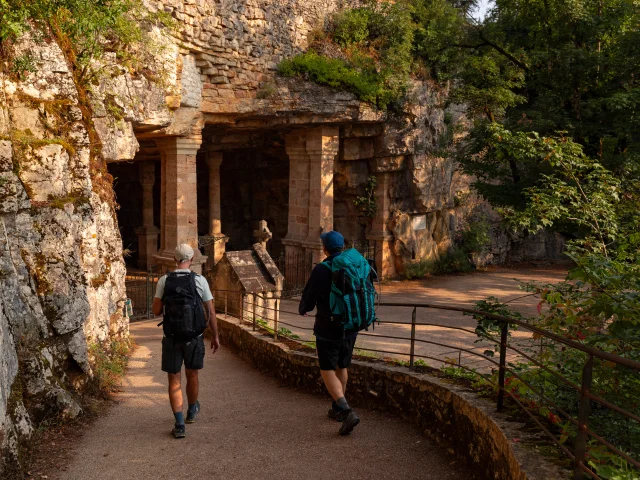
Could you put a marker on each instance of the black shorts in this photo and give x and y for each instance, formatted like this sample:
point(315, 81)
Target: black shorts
point(174, 353)
point(334, 354)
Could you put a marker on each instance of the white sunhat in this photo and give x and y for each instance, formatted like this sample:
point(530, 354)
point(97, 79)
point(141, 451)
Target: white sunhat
point(183, 253)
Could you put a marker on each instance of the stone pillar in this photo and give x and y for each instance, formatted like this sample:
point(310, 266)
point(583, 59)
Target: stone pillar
point(322, 148)
point(216, 249)
point(312, 153)
point(380, 235)
point(179, 195)
point(147, 233)
point(298, 227)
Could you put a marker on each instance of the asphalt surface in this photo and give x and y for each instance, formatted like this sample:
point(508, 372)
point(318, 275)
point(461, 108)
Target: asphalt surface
point(250, 427)
point(454, 290)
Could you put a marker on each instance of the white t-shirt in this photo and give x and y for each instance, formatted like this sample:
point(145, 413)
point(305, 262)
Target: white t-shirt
point(202, 286)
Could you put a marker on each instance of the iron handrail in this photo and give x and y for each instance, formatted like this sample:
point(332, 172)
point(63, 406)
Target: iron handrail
point(584, 389)
point(586, 396)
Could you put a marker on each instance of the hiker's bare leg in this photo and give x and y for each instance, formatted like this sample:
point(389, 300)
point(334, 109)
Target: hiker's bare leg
point(175, 392)
point(343, 376)
point(192, 385)
point(333, 383)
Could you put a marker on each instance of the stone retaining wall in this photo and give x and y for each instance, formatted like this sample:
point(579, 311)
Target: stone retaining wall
point(454, 417)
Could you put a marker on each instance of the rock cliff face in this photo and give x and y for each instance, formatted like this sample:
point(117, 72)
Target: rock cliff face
point(61, 266)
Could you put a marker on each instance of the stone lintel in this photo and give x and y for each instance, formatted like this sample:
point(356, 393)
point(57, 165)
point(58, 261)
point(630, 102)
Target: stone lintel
point(179, 145)
point(323, 141)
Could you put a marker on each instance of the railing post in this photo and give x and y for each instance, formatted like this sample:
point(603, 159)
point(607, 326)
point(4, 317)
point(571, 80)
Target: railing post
point(253, 310)
point(275, 320)
point(583, 418)
point(413, 337)
point(503, 364)
point(148, 297)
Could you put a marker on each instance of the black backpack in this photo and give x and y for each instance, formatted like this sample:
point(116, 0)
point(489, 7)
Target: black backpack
point(184, 317)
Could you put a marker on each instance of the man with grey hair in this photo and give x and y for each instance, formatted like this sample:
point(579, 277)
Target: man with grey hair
point(182, 296)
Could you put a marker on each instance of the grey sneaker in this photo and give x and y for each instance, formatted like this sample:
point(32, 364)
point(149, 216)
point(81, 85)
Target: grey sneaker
point(191, 415)
point(349, 423)
point(179, 431)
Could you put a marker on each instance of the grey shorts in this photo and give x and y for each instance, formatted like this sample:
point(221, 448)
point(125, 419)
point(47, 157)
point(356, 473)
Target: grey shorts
point(175, 353)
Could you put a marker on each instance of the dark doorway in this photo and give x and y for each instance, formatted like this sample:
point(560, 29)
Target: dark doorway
point(126, 185)
point(254, 187)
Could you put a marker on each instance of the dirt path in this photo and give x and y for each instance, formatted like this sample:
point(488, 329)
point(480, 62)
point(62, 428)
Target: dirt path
point(249, 428)
point(456, 290)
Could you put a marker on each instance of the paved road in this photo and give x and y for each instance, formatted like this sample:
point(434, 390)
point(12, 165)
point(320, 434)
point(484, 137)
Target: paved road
point(457, 290)
point(249, 428)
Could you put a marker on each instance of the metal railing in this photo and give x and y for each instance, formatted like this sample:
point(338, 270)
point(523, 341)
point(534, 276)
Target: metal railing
point(245, 308)
point(141, 289)
point(584, 390)
point(295, 267)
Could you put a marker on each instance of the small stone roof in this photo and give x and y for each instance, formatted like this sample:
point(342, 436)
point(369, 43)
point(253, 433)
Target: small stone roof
point(255, 269)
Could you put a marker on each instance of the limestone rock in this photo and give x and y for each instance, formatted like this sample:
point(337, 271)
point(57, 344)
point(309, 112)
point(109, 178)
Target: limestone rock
point(61, 267)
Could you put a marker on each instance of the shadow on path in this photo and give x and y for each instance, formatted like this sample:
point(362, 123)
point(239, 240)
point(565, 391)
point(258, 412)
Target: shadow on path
point(249, 428)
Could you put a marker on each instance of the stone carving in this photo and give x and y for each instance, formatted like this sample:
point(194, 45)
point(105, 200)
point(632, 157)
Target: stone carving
point(262, 235)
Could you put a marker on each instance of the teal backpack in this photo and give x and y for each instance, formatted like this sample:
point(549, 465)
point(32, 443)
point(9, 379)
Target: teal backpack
point(352, 298)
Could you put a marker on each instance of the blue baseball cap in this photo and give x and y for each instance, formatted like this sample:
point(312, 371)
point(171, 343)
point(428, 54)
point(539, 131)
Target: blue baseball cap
point(332, 241)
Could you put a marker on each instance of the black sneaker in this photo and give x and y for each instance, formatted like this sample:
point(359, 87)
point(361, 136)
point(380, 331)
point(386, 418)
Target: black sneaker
point(191, 416)
point(349, 423)
point(336, 413)
point(179, 431)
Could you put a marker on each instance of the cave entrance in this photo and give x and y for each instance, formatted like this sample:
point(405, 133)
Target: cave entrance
point(254, 186)
point(137, 189)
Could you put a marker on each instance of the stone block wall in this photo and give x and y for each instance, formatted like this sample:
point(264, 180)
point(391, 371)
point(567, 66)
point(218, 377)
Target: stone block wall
point(237, 44)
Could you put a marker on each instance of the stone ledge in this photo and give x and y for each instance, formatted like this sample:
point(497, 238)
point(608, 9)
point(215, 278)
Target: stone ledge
point(449, 414)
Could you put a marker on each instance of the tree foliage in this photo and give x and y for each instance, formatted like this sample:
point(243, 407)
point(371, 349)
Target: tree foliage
point(89, 29)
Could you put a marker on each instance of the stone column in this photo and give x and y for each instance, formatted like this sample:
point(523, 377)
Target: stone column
point(380, 235)
point(298, 227)
point(147, 233)
point(179, 194)
point(322, 148)
point(216, 249)
point(312, 153)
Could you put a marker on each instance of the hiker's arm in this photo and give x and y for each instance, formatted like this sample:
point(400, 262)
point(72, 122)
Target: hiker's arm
point(311, 290)
point(156, 307)
point(213, 325)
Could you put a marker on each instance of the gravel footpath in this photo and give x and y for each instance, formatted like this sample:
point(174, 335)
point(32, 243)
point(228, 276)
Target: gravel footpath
point(250, 427)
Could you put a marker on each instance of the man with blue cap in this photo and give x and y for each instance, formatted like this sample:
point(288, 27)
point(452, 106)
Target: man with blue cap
point(334, 345)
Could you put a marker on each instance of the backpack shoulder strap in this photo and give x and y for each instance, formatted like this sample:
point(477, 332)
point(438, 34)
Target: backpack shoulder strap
point(193, 284)
point(325, 264)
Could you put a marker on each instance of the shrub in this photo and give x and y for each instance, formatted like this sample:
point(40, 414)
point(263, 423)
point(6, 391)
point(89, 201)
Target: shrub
point(376, 58)
point(351, 26)
point(454, 261)
point(109, 363)
point(337, 74)
point(417, 269)
point(367, 203)
point(23, 64)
